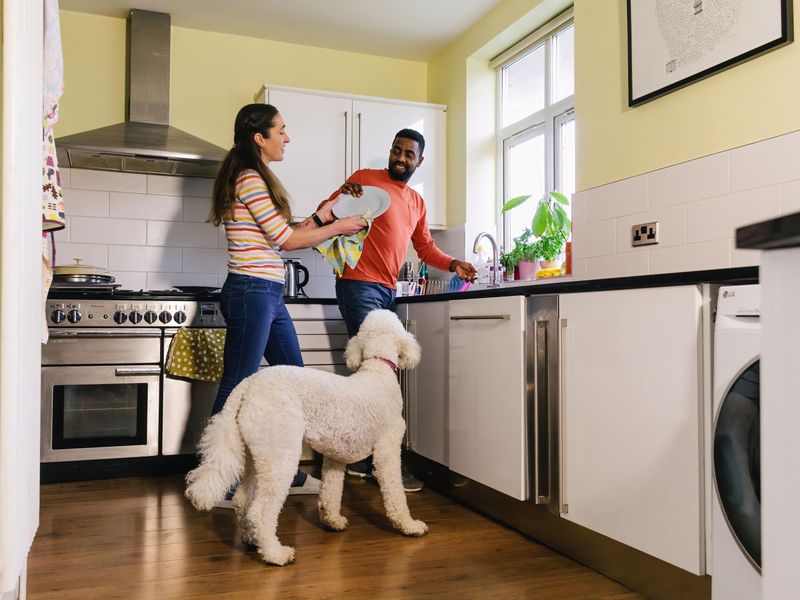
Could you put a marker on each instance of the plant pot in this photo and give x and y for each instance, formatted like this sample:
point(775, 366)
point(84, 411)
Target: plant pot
point(528, 269)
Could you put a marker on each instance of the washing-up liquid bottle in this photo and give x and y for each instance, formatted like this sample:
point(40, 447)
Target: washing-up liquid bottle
point(422, 278)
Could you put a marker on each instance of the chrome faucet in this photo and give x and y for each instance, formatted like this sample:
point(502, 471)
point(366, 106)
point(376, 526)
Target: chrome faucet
point(495, 280)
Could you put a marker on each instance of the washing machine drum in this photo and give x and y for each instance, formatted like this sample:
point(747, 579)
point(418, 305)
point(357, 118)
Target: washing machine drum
point(737, 462)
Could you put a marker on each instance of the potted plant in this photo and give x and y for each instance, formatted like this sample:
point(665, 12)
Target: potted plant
point(550, 225)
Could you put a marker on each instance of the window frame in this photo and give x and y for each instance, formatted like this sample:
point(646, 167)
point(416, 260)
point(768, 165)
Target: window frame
point(550, 118)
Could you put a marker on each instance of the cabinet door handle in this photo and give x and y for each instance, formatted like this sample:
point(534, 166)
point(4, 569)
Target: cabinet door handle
point(359, 141)
point(123, 371)
point(562, 486)
point(481, 318)
point(345, 145)
point(540, 437)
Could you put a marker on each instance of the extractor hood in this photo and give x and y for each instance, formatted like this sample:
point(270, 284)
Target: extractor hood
point(145, 142)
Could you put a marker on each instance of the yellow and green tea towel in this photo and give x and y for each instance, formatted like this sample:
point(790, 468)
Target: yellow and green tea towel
point(197, 354)
point(341, 250)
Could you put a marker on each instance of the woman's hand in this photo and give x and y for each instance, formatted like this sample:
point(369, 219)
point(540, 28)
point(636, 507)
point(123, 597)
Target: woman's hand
point(325, 212)
point(350, 225)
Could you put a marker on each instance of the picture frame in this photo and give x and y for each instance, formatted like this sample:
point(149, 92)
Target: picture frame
point(673, 43)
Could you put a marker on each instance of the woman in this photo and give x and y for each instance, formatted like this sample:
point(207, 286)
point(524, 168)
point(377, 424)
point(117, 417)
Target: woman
point(251, 203)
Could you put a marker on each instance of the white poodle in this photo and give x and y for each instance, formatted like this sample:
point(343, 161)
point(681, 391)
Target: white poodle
point(257, 438)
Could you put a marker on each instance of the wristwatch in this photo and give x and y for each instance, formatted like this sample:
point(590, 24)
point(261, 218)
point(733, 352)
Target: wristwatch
point(317, 220)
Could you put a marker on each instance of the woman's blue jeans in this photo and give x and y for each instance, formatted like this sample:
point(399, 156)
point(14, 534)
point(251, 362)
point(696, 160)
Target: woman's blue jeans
point(258, 325)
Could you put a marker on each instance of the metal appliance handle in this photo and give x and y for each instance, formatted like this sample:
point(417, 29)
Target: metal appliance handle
point(345, 144)
point(359, 141)
point(541, 439)
point(562, 486)
point(102, 333)
point(481, 318)
point(409, 391)
point(123, 371)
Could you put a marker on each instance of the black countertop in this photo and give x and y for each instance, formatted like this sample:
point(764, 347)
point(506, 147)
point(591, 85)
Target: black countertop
point(783, 232)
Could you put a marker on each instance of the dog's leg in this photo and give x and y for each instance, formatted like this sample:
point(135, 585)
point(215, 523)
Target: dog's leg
point(386, 458)
point(275, 467)
point(330, 496)
point(242, 500)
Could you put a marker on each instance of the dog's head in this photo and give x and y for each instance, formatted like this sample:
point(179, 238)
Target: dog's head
point(381, 335)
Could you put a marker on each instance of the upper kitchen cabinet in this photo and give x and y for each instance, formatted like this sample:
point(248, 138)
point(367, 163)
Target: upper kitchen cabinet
point(631, 452)
point(333, 135)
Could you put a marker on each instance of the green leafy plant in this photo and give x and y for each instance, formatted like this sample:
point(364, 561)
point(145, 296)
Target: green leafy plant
point(524, 249)
point(550, 224)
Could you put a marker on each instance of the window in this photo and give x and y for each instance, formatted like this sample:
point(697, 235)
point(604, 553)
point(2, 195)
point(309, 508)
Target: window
point(536, 121)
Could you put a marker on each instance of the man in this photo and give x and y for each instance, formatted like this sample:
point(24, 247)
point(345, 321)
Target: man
point(372, 283)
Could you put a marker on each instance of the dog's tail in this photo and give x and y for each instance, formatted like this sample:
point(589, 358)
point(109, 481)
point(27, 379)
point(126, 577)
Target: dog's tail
point(222, 455)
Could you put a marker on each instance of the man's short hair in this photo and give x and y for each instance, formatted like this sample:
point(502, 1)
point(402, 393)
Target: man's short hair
point(410, 134)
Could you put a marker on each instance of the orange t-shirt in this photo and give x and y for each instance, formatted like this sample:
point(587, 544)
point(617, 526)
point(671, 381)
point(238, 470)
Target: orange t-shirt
point(385, 246)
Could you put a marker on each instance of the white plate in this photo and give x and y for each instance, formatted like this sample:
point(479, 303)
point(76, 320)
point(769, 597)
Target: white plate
point(375, 200)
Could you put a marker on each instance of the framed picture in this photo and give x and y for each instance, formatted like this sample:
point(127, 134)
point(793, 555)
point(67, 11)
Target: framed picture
point(672, 43)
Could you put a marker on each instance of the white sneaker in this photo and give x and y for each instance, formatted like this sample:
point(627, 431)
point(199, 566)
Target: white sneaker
point(310, 486)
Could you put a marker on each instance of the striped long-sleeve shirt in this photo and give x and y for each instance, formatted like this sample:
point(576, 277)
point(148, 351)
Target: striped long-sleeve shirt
point(256, 231)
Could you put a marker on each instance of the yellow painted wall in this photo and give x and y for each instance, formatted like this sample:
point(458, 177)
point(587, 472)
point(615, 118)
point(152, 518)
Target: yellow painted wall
point(213, 75)
point(752, 101)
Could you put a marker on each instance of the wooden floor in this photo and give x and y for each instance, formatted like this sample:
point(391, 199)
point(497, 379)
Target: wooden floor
point(139, 538)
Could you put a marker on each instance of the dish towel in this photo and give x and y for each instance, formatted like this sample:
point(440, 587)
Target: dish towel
point(341, 250)
point(197, 354)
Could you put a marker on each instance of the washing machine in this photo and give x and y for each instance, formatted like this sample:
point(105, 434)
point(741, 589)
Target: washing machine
point(736, 502)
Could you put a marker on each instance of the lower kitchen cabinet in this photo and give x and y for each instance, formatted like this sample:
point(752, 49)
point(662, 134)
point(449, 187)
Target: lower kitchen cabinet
point(486, 408)
point(426, 385)
point(631, 430)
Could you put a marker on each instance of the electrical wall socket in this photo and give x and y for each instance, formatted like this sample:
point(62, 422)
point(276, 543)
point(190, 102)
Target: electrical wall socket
point(644, 234)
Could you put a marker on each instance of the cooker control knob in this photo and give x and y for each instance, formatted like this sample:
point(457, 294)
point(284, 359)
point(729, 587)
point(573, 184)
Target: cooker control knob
point(120, 317)
point(58, 316)
point(150, 316)
point(73, 316)
point(165, 316)
point(135, 316)
point(180, 317)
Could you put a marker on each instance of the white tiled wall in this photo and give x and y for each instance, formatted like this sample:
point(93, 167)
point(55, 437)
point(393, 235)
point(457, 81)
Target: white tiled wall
point(150, 232)
point(698, 205)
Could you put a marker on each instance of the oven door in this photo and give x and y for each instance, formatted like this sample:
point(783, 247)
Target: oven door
point(101, 411)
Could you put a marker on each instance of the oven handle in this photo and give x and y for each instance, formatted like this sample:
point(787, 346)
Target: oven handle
point(122, 371)
point(101, 333)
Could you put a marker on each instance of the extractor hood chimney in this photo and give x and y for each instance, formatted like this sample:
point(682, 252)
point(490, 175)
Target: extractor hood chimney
point(145, 142)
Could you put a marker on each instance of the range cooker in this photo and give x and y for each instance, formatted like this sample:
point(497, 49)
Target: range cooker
point(105, 391)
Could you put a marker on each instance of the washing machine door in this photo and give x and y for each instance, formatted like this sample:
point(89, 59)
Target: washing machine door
point(737, 462)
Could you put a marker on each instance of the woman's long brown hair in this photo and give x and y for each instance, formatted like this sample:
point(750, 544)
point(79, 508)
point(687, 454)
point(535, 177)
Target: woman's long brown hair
point(245, 154)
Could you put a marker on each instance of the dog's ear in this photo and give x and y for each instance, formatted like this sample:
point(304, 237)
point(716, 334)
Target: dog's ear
point(354, 353)
point(408, 351)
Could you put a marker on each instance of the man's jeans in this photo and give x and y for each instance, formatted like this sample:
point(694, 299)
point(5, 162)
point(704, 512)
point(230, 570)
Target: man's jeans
point(258, 324)
point(357, 298)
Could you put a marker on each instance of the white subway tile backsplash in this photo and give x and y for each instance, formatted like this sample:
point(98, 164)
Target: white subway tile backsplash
point(196, 210)
point(81, 179)
point(180, 186)
point(671, 228)
point(202, 260)
point(694, 180)
point(146, 207)
point(149, 258)
point(579, 268)
point(594, 239)
point(692, 257)
point(790, 198)
point(186, 235)
point(93, 230)
point(95, 255)
point(66, 176)
point(320, 287)
point(86, 203)
point(619, 265)
point(744, 258)
point(62, 235)
point(578, 208)
point(718, 218)
point(617, 199)
point(765, 163)
point(306, 258)
point(165, 281)
point(222, 240)
point(132, 281)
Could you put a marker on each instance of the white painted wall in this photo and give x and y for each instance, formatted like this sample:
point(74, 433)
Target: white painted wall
point(698, 204)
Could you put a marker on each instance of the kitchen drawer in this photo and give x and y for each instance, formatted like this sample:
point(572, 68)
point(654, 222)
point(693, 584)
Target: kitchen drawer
point(322, 342)
point(324, 327)
point(323, 357)
point(314, 311)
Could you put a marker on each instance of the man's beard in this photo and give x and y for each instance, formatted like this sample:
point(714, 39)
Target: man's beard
point(404, 176)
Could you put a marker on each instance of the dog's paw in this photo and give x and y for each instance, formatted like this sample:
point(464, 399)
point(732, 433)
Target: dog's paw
point(337, 523)
point(415, 528)
point(278, 555)
point(249, 537)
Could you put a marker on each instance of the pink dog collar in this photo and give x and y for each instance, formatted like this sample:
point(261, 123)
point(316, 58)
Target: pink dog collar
point(388, 362)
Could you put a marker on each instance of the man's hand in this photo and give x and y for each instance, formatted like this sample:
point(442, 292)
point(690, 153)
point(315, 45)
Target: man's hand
point(352, 188)
point(464, 270)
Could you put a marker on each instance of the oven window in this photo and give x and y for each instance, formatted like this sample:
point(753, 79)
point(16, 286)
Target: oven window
point(89, 416)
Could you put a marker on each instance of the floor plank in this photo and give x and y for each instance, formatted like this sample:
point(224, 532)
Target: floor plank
point(139, 538)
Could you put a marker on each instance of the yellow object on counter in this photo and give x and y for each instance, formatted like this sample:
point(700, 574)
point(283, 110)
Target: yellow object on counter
point(548, 273)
